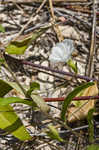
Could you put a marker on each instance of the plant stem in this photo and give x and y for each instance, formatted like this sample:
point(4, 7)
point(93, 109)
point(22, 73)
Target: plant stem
point(58, 99)
point(21, 87)
point(59, 71)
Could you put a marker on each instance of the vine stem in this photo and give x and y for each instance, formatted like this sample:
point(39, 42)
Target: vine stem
point(58, 71)
point(37, 66)
point(63, 73)
point(74, 99)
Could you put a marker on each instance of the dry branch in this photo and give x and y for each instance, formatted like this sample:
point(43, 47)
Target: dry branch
point(93, 43)
point(30, 1)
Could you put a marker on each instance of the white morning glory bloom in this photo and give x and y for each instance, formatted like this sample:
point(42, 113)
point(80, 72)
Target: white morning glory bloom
point(62, 51)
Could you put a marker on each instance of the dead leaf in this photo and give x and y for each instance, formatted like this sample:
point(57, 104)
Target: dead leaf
point(80, 112)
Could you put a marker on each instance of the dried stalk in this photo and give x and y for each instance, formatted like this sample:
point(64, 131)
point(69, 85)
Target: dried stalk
point(31, 18)
point(42, 4)
point(31, 1)
point(55, 26)
point(93, 43)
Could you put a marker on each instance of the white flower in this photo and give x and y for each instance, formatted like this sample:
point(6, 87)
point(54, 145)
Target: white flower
point(62, 51)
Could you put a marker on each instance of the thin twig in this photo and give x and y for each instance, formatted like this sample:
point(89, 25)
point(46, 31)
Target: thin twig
point(24, 62)
point(66, 13)
point(58, 99)
point(93, 43)
point(59, 71)
point(42, 4)
point(63, 131)
point(55, 26)
point(31, 18)
point(40, 1)
point(64, 125)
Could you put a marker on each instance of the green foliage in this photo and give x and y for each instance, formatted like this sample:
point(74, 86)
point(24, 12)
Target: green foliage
point(11, 100)
point(93, 147)
point(91, 126)
point(16, 87)
point(53, 134)
point(4, 88)
point(40, 103)
point(72, 65)
point(36, 100)
point(19, 47)
point(33, 86)
point(70, 96)
point(2, 60)
point(78, 103)
point(2, 29)
point(11, 123)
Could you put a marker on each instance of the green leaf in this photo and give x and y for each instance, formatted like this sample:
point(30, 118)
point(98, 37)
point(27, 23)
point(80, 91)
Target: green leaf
point(91, 126)
point(72, 65)
point(70, 96)
point(11, 123)
point(78, 103)
point(40, 103)
point(93, 147)
point(4, 88)
point(10, 100)
point(19, 47)
point(2, 29)
point(2, 60)
point(53, 134)
point(36, 102)
point(33, 86)
point(15, 86)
